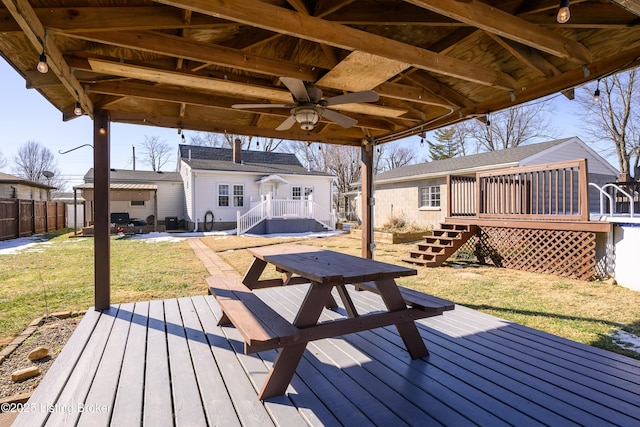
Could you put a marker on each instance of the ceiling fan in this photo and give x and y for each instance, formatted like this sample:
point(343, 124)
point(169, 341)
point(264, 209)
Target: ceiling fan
point(308, 106)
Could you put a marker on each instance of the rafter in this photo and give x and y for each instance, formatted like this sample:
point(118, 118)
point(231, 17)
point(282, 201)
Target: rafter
point(164, 44)
point(493, 20)
point(35, 32)
point(632, 6)
point(260, 14)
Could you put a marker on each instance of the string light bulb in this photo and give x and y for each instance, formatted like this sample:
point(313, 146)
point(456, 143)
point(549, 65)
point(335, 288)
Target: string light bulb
point(596, 94)
point(422, 139)
point(183, 138)
point(42, 66)
point(563, 12)
point(78, 109)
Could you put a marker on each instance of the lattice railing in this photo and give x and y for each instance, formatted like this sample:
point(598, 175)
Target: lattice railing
point(559, 252)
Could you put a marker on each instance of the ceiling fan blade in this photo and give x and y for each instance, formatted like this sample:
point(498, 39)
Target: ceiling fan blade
point(364, 96)
point(297, 88)
point(245, 106)
point(290, 121)
point(341, 119)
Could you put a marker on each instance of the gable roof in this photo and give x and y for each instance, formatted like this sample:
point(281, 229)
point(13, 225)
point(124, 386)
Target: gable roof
point(261, 162)
point(125, 175)
point(474, 162)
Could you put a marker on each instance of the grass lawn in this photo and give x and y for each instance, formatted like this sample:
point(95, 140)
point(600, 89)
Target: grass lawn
point(59, 276)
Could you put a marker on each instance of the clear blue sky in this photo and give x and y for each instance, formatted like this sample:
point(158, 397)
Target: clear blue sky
point(27, 116)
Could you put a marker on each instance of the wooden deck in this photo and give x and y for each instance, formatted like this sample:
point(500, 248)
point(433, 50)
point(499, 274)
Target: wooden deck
point(167, 363)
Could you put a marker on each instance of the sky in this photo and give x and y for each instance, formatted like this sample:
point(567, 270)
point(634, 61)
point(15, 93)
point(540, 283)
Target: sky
point(28, 116)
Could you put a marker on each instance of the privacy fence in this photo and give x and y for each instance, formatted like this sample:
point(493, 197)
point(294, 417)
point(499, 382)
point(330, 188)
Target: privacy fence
point(20, 218)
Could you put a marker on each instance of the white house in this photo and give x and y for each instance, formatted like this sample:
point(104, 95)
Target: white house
point(266, 191)
point(418, 192)
point(14, 187)
point(219, 188)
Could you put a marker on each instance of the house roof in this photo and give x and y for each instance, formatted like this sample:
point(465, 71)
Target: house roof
point(260, 162)
point(123, 175)
point(473, 162)
point(120, 186)
point(5, 178)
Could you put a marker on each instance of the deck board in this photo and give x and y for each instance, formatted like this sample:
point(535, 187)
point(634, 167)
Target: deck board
point(169, 363)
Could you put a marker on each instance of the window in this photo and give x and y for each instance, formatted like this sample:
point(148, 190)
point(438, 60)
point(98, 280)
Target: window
point(238, 195)
point(223, 195)
point(296, 193)
point(137, 203)
point(430, 197)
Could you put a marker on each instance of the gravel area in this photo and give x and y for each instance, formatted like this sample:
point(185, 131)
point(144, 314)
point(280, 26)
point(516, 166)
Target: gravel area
point(52, 334)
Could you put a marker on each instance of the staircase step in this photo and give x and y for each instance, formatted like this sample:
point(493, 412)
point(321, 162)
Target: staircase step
point(436, 244)
point(418, 261)
point(455, 227)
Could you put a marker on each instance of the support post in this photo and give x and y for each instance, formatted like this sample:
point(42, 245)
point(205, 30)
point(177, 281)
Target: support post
point(366, 172)
point(102, 226)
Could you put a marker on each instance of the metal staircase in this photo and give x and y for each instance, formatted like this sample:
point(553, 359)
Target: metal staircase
point(443, 243)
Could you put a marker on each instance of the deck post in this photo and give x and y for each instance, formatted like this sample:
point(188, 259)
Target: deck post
point(101, 184)
point(366, 172)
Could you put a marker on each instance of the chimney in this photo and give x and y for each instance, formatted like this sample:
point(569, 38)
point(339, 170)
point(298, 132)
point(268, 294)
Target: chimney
point(237, 150)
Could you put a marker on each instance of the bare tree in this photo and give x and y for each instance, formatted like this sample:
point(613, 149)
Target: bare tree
point(512, 127)
point(157, 152)
point(3, 161)
point(220, 140)
point(37, 163)
point(395, 156)
point(266, 144)
point(614, 119)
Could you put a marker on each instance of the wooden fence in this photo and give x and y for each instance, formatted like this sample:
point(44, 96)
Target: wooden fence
point(20, 218)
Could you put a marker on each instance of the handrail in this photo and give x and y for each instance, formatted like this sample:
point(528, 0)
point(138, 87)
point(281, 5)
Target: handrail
point(603, 193)
point(270, 208)
point(611, 206)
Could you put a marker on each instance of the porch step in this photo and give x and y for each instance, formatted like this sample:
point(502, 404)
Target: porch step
point(438, 247)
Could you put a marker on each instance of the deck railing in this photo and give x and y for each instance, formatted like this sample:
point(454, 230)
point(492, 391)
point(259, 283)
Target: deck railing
point(556, 191)
point(270, 208)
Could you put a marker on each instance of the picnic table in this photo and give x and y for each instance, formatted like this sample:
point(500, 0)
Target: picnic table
point(263, 328)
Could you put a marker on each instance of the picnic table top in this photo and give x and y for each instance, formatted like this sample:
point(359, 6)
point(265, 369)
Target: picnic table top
point(327, 266)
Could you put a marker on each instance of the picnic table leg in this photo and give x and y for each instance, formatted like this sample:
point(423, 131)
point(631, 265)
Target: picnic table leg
point(288, 357)
point(253, 273)
point(407, 330)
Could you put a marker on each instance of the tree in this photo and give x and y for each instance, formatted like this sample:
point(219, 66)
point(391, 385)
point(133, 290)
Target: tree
point(157, 152)
point(512, 127)
point(446, 145)
point(35, 162)
point(3, 161)
point(614, 119)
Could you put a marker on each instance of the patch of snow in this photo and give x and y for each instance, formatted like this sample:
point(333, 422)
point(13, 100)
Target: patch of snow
point(626, 340)
point(15, 246)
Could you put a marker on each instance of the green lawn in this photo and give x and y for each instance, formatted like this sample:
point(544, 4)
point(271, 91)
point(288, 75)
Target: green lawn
point(58, 276)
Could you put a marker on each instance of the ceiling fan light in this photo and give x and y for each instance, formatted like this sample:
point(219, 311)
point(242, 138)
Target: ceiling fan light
point(308, 117)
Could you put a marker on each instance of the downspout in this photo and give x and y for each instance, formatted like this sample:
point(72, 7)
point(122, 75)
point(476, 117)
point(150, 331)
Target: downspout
point(194, 199)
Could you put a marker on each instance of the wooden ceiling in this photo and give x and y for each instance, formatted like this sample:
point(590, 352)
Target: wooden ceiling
point(184, 63)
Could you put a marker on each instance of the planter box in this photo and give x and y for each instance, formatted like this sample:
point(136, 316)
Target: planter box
point(393, 238)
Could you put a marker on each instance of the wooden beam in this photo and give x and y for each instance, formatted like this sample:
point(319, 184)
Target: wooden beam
point(165, 44)
point(632, 6)
point(494, 20)
point(102, 220)
point(366, 167)
point(404, 92)
point(186, 79)
point(35, 32)
point(261, 14)
point(528, 56)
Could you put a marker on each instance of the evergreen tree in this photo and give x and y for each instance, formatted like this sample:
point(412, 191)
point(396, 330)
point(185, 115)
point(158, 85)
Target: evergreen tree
point(446, 147)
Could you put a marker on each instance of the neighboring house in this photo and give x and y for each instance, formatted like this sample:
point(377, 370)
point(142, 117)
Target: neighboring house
point(221, 186)
point(14, 187)
point(141, 194)
point(418, 192)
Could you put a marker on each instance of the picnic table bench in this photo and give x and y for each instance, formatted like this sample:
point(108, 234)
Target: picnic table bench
point(262, 328)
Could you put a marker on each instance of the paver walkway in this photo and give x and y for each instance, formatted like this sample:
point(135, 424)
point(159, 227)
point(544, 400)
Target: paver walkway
point(211, 260)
